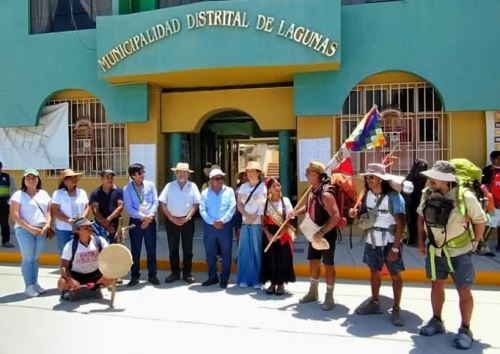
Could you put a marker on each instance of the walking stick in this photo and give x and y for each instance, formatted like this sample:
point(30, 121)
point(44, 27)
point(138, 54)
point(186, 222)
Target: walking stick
point(331, 165)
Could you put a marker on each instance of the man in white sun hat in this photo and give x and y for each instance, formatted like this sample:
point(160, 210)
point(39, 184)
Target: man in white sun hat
point(179, 202)
point(451, 239)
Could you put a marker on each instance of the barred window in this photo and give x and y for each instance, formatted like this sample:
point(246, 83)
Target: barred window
point(94, 144)
point(422, 131)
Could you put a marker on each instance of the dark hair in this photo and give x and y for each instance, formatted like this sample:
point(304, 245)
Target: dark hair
point(38, 185)
point(270, 181)
point(386, 187)
point(134, 168)
point(493, 155)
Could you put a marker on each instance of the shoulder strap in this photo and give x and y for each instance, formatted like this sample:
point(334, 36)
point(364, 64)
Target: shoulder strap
point(98, 243)
point(252, 192)
point(38, 205)
point(74, 246)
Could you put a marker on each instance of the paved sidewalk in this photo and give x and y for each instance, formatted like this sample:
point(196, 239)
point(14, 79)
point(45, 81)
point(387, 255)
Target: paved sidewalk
point(349, 262)
point(179, 317)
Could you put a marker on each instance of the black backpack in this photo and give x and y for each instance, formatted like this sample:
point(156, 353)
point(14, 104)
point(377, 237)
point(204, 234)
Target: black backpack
point(437, 211)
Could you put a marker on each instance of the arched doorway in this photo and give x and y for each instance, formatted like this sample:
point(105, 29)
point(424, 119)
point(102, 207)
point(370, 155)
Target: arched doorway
point(230, 139)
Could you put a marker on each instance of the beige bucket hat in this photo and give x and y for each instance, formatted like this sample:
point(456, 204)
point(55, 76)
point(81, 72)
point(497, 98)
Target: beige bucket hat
point(442, 171)
point(377, 169)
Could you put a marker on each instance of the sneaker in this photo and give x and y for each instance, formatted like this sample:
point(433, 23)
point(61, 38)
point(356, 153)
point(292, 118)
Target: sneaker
point(371, 308)
point(243, 285)
point(464, 339)
point(39, 289)
point(69, 295)
point(432, 327)
point(396, 318)
point(8, 245)
point(329, 302)
point(31, 291)
point(309, 297)
point(257, 286)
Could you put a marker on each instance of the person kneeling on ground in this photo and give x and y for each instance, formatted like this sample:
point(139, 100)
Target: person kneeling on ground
point(79, 265)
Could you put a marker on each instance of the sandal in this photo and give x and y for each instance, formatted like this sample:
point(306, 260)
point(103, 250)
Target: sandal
point(271, 289)
point(280, 290)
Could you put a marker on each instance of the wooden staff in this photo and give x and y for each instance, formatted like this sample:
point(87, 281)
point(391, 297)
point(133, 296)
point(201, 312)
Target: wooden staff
point(113, 292)
point(331, 165)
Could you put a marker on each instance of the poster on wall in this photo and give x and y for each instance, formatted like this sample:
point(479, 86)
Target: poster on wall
point(313, 150)
point(146, 155)
point(44, 146)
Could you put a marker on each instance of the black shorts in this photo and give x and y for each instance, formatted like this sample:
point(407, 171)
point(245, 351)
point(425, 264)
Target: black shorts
point(328, 255)
point(375, 257)
point(85, 278)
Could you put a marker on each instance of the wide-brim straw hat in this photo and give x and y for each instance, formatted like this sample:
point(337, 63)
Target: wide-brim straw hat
point(216, 172)
point(114, 261)
point(253, 165)
point(182, 166)
point(377, 169)
point(442, 171)
point(68, 173)
point(207, 170)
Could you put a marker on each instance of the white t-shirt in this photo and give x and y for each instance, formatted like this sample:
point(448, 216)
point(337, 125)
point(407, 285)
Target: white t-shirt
point(28, 208)
point(85, 260)
point(180, 201)
point(279, 207)
point(72, 207)
point(256, 203)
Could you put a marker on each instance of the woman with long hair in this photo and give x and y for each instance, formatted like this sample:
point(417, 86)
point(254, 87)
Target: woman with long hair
point(68, 204)
point(277, 262)
point(30, 209)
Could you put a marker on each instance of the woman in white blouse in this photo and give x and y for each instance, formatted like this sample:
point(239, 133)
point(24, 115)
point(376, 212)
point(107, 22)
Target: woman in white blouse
point(30, 209)
point(68, 204)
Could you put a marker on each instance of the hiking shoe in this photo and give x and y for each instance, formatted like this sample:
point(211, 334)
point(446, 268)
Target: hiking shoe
point(31, 291)
point(329, 303)
point(312, 294)
point(371, 308)
point(432, 327)
point(464, 339)
point(396, 318)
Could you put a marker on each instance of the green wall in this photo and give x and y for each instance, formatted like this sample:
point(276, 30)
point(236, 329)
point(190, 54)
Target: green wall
point(453, 44)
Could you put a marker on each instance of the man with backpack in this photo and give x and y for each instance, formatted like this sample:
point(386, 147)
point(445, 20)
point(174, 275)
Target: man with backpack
point(452, 237)
point(322, 208)
point(386, 209)
point(491, 179)
point(79, 266)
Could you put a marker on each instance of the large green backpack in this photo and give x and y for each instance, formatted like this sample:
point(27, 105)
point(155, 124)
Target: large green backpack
point(468, 177)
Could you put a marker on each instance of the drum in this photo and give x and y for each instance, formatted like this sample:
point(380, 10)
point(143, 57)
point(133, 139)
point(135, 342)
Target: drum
point(114, 261)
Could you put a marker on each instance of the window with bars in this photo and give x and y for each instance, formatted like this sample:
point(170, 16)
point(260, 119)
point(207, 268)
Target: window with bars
point(94, 144)
point(422, 131)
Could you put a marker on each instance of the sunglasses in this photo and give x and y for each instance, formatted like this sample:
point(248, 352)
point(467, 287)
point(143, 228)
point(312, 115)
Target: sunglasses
point(370, 177)
point(217, 178)
point(139, 173)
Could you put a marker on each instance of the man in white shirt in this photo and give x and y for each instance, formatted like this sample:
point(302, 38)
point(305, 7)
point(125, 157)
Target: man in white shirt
point(179, 201)
point(79, 262)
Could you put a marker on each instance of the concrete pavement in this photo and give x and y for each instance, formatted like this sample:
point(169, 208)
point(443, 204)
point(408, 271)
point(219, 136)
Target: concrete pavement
point(180, 317)
point(348, 261)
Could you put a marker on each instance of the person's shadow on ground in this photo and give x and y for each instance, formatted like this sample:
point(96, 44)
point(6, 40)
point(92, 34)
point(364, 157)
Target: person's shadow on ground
point(373, 325)
point(443, 343)
point(312, 311)
point(17, 297)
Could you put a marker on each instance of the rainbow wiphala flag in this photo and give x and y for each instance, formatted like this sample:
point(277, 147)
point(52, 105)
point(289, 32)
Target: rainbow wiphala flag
point(367, 134)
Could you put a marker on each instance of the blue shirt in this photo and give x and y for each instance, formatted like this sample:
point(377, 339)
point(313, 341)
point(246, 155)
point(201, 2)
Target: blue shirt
point(217, 206)
point(140, 201)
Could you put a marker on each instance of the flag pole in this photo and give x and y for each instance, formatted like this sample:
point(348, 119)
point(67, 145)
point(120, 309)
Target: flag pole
point(330, 165)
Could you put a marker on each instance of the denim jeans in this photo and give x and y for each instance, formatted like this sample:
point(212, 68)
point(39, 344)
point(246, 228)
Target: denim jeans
point(149, 236)
point(31, 246)
point(63, 237)
point(221, 240)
